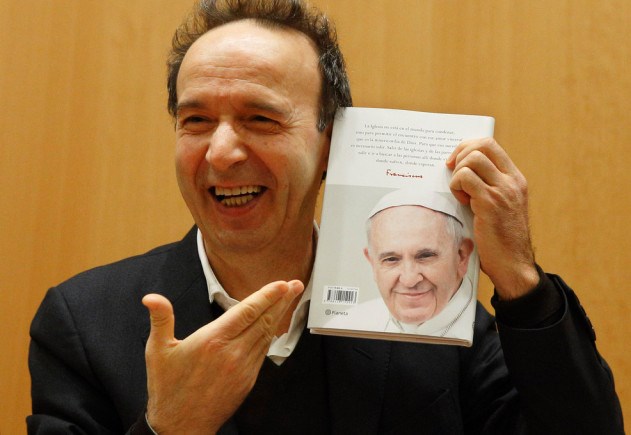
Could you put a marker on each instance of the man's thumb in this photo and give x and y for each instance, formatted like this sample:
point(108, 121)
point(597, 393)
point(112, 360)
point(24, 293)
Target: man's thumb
point(162, 319)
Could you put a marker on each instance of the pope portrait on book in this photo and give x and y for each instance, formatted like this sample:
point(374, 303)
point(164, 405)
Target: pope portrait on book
point(414, 270)
point(419, 256)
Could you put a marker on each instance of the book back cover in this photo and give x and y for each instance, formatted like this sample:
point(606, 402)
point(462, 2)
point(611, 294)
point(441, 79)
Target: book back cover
point(396, 258)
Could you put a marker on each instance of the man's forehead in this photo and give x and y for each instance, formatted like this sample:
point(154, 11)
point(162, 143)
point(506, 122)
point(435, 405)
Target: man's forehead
point(254, 39)
point(244, 50)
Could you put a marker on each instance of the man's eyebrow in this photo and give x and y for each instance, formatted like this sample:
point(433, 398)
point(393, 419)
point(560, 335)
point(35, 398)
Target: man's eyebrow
point(252, 105)
point(265, 107)
point(388, 254)
point(188, 104)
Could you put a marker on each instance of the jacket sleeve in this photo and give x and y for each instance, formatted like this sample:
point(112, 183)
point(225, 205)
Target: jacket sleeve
point(66, 396)
point(563, 384)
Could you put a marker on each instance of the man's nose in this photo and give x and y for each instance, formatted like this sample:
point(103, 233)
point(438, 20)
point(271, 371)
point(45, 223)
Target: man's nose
point(410, 274)
point(226, 148)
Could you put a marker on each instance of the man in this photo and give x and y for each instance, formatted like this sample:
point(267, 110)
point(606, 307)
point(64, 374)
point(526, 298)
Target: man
point(419, 257)
point(253, 101)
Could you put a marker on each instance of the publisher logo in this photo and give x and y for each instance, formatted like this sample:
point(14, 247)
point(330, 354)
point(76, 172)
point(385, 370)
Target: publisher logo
point(335, 313)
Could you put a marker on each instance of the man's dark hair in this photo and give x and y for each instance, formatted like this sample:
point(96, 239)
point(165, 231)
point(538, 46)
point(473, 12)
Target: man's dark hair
point(294, 14)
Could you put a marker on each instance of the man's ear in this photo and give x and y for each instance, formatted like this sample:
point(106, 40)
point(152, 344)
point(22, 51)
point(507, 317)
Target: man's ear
point(464, 252)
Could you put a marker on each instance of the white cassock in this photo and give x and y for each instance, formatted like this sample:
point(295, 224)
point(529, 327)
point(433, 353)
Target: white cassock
point(454, 321)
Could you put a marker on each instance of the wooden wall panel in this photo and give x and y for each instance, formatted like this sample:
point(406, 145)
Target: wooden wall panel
point(87, 178)
point(87, 172)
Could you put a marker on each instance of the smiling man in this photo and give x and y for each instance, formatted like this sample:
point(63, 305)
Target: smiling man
point(253, 88)
point(419, 257)
point(249, 154)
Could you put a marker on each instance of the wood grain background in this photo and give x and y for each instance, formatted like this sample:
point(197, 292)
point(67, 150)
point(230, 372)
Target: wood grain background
point(87, 145)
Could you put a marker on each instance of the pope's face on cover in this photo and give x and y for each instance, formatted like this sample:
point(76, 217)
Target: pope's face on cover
point(416, 261)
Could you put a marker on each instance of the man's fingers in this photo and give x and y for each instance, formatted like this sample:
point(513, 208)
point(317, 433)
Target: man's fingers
point(482, 166)
point(487, 146)
point(260, 333)
point(452, 160)
point(466, 184)
point(271, 300)
point(162, 319)
point(253, 322)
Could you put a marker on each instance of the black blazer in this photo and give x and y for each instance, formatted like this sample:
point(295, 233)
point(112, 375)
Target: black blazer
point(88, 371)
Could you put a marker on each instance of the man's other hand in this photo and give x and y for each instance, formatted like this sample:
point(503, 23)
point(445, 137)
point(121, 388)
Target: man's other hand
point(488, 180)
point(196, 384)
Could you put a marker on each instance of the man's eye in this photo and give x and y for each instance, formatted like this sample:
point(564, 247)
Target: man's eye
point(389, 260)
point(194, 120)
point(262, 124)
point(426, 255)
point(193, 123)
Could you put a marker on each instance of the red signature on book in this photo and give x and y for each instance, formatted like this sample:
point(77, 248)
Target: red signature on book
point(391, 173)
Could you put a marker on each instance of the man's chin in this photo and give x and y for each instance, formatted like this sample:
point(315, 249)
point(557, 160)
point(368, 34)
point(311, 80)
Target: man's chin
point(233, 238)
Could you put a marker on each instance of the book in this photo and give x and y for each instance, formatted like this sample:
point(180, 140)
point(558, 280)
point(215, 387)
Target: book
point(395, 257)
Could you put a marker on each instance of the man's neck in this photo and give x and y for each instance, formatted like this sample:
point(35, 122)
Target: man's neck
point(243, 273)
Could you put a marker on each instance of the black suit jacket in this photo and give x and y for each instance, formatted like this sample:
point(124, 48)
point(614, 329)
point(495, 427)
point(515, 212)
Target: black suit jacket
point(88, 369)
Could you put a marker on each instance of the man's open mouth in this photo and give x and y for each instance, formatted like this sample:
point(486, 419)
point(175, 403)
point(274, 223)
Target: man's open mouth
point(236, 196)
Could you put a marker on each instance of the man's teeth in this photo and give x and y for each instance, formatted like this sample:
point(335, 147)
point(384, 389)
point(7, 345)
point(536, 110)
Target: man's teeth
point(240, 190)
point(236, 201)
point(236, 196)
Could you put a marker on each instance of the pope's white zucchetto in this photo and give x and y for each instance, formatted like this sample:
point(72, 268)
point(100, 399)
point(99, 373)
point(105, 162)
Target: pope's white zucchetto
point(446, 203)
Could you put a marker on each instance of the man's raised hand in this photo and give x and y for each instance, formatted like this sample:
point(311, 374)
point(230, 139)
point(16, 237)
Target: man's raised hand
point(488, 180)
point(196, 384)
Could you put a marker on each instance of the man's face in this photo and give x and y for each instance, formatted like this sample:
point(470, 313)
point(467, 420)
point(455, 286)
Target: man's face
point(249, 157)
point(415, 262)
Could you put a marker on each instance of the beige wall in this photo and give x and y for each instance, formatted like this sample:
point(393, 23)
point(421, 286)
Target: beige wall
point(86, 143)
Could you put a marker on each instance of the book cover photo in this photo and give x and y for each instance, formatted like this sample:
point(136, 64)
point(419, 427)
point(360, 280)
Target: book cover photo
point(396, 258)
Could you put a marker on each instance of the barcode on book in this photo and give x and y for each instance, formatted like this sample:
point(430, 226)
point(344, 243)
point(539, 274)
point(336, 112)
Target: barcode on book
point(340, 295)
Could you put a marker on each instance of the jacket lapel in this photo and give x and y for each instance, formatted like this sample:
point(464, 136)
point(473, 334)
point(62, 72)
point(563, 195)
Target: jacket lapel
point(181, 280)
point(356, 372)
